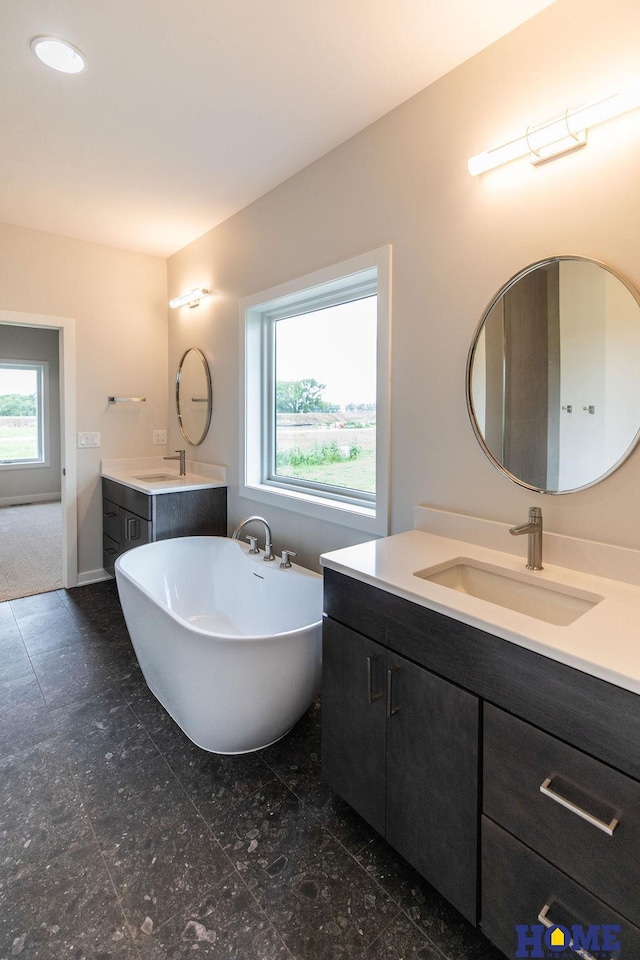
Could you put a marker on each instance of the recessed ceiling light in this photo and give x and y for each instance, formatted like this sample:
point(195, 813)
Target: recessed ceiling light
point(58, 54)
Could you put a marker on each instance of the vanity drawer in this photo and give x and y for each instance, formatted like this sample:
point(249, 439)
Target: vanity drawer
point(110, 519)
point(588, 823)
point(110, 552)
point(133, 500)
point(517, 886)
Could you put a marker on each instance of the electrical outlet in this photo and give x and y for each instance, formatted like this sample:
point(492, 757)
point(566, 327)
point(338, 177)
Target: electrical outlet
point(159, 436)
point(88, 440)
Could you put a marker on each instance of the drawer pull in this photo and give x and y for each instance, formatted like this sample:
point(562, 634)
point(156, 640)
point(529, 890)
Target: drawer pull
point(110, 551)
point(391, 710)
point(607, 828)
point(110, 513)
point(544, 919)
point(372, 696)
point(131, 529)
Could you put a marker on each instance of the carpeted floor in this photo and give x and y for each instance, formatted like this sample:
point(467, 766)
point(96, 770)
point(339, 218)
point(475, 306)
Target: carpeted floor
point(30, 549)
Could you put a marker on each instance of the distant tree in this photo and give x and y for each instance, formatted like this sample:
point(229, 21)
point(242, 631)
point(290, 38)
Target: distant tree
point(18, 405)
point(301, 396)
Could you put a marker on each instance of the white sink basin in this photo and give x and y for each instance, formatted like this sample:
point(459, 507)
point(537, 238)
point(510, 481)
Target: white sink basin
point(157, 476)
point(544, 600)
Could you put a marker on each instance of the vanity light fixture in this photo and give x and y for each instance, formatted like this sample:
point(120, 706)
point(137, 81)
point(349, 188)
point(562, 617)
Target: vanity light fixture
point(59, 55)
point(557, 136)
point(190, 299)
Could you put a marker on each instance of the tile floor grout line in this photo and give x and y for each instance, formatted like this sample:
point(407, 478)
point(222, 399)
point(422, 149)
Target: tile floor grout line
point(326, 830)
point(126, 924)
point(233, 869)
point(354, 857)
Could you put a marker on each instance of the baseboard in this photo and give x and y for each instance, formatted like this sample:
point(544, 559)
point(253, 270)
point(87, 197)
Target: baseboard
point(93, 576)
point(29, 498)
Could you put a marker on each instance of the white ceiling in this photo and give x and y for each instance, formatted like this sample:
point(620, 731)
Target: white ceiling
point(191, 109)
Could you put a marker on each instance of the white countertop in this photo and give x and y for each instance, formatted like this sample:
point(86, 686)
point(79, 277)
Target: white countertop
point(604, 641)
point(137, 473)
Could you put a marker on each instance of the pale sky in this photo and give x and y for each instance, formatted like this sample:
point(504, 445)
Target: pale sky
point(17, 381)
point(335, 346)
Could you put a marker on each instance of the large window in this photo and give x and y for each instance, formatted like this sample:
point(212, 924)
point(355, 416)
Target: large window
point(315, 394)
point(22, 414)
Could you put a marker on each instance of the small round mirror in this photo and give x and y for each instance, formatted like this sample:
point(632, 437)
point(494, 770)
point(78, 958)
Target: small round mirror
point(552, 377)
point(193, 396)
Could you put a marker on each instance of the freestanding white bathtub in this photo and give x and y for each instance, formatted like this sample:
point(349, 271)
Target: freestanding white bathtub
point(228, 643)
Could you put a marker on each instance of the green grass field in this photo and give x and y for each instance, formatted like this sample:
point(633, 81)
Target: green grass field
point(18, 438)
point(357, 474)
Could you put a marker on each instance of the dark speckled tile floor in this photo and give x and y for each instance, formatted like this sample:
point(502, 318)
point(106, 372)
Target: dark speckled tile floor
point(121, 840)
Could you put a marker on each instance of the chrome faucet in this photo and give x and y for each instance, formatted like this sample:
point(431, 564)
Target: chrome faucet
point(182, 457)
point(533, 527)
point(268, 546)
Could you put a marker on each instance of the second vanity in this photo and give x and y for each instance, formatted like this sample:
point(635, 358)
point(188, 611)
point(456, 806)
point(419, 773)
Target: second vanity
point(145, 500)
point(496, 750)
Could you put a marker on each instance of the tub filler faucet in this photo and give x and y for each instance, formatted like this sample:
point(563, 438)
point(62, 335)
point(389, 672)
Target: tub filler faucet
point(533, 527)
point(268, 546)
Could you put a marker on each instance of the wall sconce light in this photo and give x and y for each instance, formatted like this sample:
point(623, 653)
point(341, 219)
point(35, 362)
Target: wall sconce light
point(190, 299)
point(558, 136)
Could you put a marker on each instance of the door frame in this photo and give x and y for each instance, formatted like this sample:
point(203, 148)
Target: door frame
point(66, 327)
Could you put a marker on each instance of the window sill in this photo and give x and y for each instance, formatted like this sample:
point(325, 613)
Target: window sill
point(29, 465)
point(319, 508)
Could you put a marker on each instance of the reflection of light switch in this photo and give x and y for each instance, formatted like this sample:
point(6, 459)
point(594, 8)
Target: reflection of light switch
point(589, 409)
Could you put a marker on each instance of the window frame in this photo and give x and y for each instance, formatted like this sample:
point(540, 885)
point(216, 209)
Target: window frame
point(348, 280)
point(42, 371)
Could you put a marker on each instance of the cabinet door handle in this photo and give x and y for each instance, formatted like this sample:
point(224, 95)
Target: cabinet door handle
point(131, 530)
point(607, 828)
point(110, 513)
point(391, 710)
point(372, 696)
point(544, 919)
point(110, 550)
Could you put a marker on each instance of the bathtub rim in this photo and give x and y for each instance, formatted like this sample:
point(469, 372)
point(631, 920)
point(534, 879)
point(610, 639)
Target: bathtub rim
point(225, 637)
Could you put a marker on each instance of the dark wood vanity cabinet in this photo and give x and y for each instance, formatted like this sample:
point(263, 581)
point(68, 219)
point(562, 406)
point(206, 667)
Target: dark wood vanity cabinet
point(131, 518)
point(400, 745)
point(412, 699)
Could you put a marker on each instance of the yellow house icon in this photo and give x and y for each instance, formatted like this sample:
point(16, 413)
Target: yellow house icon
point(557, 938)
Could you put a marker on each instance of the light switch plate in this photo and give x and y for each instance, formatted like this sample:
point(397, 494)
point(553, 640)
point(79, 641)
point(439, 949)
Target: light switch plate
point(88, 440)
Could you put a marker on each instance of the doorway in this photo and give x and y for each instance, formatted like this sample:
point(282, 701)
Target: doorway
point(38, 525)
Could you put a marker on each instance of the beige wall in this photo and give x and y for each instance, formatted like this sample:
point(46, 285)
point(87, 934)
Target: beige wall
point(118, 301)
point(455, 239)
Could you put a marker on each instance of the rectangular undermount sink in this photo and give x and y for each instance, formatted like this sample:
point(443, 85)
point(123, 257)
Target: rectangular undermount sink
point(544, 600)
point(158, 476)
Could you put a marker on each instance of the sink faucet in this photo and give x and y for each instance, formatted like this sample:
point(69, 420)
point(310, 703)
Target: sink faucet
point(268, 546)
point(182, 457)
point(533, 527)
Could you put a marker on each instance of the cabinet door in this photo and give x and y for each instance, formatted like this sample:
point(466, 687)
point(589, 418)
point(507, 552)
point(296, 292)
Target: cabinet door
point(134, 530)
point(432, 779)
point(353, 720)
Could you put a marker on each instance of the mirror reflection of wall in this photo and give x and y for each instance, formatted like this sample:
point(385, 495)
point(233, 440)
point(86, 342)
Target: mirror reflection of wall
point(552, 385)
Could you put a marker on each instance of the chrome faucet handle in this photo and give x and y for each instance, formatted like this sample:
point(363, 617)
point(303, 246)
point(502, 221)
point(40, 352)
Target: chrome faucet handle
point(253, 544)
point(285, 563)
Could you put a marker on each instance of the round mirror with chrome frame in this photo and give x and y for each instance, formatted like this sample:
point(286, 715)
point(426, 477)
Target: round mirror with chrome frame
point(553, 390)
point(194, 396)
